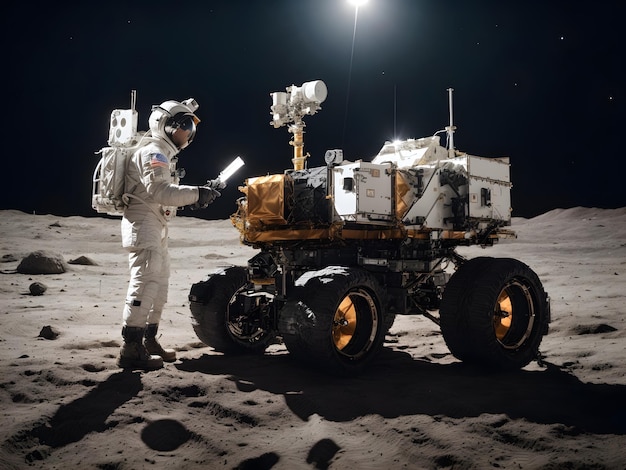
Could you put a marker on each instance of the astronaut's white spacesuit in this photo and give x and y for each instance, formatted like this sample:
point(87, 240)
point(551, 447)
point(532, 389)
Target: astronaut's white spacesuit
point(152, 181)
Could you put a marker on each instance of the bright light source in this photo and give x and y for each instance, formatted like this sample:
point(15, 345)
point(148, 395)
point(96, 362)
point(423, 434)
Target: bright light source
point(358, 3)
point(231, 169)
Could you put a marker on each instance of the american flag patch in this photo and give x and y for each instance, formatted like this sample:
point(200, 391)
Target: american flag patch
point(159, 160)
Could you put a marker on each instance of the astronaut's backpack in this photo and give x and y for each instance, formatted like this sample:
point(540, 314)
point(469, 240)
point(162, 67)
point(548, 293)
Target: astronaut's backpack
point(108, 188)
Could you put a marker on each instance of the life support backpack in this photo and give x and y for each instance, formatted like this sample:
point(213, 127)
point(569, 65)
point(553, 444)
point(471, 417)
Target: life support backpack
point(109, 177)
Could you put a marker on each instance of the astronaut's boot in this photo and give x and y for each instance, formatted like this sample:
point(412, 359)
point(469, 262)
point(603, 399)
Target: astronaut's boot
point(133, 353)
point(153, 346)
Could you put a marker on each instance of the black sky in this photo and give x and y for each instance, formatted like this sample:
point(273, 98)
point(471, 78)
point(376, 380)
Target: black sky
point(538, 81)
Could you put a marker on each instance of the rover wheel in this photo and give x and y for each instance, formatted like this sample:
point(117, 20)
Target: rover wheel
point(494, 312)
point(335, 320)
point(218, 317)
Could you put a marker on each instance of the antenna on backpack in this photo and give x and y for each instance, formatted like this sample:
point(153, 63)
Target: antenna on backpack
point(133, 99)
point(451, 128)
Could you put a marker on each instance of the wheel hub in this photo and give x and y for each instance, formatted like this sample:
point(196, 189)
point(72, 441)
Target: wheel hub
point(344, 323)
point(246, 316)
point(355, 323)
point(513, 315)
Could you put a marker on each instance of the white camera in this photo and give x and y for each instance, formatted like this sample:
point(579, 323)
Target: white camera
point(297, 101)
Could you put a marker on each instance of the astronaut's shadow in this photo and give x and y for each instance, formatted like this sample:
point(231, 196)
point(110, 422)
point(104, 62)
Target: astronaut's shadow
point(398, 385)
point(89, 413)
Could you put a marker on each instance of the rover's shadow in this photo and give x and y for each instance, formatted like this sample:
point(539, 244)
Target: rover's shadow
point(398, 385)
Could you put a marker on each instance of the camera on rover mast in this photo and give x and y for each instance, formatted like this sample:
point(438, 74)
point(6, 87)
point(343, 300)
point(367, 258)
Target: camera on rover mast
point(297, 101)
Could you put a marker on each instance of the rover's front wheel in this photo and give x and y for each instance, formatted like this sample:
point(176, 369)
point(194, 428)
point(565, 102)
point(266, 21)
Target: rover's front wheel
point(494, 312)
point(223, 322)
point(335, 320)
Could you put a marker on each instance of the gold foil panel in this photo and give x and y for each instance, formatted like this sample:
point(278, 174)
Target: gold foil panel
point(403, 194)
point(253, 236)
point(266, 200)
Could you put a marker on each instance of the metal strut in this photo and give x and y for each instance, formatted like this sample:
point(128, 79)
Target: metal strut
point(451, 128)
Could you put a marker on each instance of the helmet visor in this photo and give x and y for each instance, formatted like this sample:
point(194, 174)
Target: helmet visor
point(183, 121)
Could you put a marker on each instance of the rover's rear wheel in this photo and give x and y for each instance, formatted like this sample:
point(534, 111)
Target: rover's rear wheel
point(335, 321)
point(494, 312)
point(219, 319)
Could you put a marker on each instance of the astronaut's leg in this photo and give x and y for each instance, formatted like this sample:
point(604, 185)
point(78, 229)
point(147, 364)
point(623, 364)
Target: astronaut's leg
point(152, 344)
point(145, 266)
point(155, 313)
point(133, 354)
point(162, 287)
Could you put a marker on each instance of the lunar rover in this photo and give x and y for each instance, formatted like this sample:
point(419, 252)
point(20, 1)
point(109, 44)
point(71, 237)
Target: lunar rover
point(345, 247)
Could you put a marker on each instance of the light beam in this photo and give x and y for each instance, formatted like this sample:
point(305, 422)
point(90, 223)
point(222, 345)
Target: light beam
point(357, 4)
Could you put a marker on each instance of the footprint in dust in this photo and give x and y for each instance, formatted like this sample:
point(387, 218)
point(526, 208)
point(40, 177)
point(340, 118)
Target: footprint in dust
point(264, 462)
point(322, 453)
point(165, 435)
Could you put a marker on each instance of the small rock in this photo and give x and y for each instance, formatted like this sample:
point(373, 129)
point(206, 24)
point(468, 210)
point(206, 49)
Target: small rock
point(93, 368)
point(37, 288)
point(42, 262)
point(49, 332)
point(83, 260)
point(8, 258)
point(594, 329)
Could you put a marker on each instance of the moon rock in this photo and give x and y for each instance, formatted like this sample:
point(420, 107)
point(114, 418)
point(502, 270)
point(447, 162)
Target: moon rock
point(42, 262)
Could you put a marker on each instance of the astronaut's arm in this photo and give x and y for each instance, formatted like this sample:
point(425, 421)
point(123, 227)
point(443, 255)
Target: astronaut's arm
point(157, 181)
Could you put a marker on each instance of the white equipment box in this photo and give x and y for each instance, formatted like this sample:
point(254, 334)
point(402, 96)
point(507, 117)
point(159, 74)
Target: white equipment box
point(362, 192)
point(365, 192)
point(489, 188)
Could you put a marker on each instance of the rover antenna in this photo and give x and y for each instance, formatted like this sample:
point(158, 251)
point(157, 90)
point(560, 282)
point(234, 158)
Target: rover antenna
point(451, 128)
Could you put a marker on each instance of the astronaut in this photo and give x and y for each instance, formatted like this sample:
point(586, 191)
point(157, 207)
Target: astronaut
point(154, 193)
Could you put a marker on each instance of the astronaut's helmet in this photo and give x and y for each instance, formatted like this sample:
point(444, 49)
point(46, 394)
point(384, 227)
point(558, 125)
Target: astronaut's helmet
point(172, 115)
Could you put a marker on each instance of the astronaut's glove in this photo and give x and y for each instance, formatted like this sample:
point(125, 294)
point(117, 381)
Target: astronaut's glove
point(216, 184)
point(206, 196)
